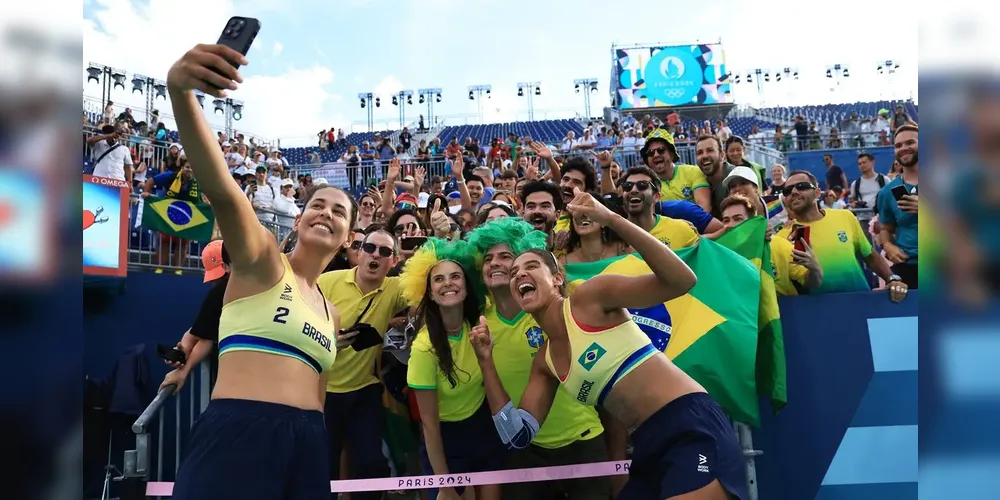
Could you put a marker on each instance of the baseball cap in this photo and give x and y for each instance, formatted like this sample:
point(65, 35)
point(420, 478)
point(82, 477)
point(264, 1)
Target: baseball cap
point(422, 200)
point(740, 173)
point(213, 257)
point(320, 182)
point(287, 182)
point(175, 145)
point(260, 168)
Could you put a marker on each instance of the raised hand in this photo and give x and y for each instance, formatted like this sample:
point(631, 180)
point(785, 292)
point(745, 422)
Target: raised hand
point(604, 158)
point(376, 195)
point(541, 150)
point(457, 166)
point(585, 204)
point(419, 174)
point(208, 68)
point(531, 173)
point(481, 340)
point(393, 173)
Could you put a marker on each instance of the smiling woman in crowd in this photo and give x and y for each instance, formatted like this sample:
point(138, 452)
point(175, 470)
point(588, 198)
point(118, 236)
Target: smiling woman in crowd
point(591, 241)
point(442, 282)
point(272, 377)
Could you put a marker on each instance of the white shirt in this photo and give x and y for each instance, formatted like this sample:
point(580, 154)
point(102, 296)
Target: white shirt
point(263, 196)
point(586, 142)
point(285, 206)
point(568, 144)
point(868, 189)
point(272, 162)
point(628, 144)
point(112, 165)
point(235, 160)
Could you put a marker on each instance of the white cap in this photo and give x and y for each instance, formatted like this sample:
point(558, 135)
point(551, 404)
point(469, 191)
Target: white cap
point(422, 200)
point(320, 182)
point(741, 173)
point(287, 182)
point(454, 209)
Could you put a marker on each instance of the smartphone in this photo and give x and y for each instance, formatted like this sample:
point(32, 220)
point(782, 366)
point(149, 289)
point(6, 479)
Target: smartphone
point(239, 34)
point(366, 339)
point(802, 235)
point(171, 354)
point(411, 242)
point(898, 192)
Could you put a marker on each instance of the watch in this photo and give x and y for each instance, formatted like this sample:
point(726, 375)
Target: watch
point(893, 277)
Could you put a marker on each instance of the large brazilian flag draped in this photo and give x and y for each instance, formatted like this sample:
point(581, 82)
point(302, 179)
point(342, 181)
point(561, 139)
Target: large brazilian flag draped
point(180, 218)
point(726, 332)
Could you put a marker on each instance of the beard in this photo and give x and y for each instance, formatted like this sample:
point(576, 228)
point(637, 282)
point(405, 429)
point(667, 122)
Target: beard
point(912, 162)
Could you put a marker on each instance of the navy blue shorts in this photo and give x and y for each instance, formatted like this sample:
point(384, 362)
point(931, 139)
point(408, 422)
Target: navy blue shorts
point(471, 445)
point(683, 447)
point(252, 449)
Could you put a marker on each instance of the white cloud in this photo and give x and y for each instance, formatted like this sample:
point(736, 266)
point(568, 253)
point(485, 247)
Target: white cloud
point(278, 47)
point(286, 105)
point(387, 87)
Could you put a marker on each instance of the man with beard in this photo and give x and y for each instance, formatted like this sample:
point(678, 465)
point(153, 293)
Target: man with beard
point(836, 239)
point(708, 154)
point(640, 192)
point(572, 433)
point(677, 182)
point(898, 217)
point(577, 173)
point(541, 204)
point(354, 413)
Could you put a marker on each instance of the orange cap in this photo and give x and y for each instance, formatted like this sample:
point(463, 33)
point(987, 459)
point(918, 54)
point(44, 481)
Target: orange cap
point(211, 258)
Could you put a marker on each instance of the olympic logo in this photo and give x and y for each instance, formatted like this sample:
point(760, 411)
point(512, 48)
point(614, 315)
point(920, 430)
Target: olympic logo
point(675, 93)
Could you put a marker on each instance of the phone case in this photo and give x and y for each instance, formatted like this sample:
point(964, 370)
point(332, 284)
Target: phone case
point(362, 341)
point(240, 33)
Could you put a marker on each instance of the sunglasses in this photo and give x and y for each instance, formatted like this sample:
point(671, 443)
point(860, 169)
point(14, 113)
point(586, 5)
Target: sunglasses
point(371, 248)
point(402, 228)
point(798, 186)
point(368, 205)
point(356, 244)
point(405, 206)
point(642, 185)
point(657, 151)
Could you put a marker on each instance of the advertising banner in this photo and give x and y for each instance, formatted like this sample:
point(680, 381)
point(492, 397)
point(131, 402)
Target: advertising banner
point(105, 226)
point(651, 77)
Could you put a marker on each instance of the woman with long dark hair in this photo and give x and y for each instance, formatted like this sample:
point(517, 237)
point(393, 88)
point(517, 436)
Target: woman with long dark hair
point(589, 240)
point(262, 435)
point(442, 282)
point(685, 445)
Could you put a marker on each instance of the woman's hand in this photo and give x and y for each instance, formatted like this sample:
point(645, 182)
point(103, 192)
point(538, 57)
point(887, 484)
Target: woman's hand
point(393, 174)
point(585, 204)
point(208, 68)
point(176, 377)
point(481, 340)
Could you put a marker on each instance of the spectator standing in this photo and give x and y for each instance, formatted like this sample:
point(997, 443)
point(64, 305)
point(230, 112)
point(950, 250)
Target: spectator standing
point(801, 133)
point(836, 238)
point(898, 218)
point(177, 184)
point(899, 119)
point(835, 176)
point(404, 139)
point(864, 190)
point(261, 194)
point(112, 159)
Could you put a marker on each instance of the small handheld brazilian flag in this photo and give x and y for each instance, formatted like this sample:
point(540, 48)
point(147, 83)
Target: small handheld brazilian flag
point(180, 218)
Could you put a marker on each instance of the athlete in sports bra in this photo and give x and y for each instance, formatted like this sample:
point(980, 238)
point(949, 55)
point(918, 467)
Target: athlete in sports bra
point(685, 446)
point(262, 435)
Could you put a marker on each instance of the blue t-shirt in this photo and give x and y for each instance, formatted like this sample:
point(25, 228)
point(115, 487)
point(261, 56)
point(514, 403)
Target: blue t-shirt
point(685, 210)
point(906, 224)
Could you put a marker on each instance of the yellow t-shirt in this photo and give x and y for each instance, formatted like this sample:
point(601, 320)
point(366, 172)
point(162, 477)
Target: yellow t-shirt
point(837, 240)
point(355, 370)
point(674, 233)
point(515, 344)
point(681, 186)
point(786, 272)
point(423, 373)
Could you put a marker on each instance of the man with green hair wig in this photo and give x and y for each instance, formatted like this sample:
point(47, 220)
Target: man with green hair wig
point(572, 433)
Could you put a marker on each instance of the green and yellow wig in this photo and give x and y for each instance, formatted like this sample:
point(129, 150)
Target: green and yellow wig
point(418, 268)
point(515, 232)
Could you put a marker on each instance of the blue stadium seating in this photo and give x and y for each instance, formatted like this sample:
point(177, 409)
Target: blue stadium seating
point(553, 131)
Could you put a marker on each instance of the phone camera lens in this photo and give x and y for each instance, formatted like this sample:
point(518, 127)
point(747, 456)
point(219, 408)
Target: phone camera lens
point(241, 22)
point(228, 32)
point(234, 23)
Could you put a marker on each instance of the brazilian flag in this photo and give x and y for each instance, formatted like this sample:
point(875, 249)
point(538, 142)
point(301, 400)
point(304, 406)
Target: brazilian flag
point(716, 333)
point(180, 218)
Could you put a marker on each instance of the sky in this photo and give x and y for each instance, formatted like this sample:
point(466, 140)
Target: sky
point(313, 57)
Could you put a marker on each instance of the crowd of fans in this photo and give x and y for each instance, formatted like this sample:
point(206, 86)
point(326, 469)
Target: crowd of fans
point(817, 246)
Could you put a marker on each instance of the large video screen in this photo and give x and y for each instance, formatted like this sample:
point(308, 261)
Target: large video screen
point(105, 226)
point(684, 75)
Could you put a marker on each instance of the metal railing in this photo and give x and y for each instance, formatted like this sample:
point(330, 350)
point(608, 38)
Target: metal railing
point(820, 141)
point(138, 464)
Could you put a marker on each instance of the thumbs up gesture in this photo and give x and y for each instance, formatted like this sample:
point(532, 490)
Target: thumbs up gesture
point(481, 340)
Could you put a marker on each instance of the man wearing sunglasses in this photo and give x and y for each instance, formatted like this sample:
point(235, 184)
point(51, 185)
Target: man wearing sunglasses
point(366, 299)
point(836, 239)
point(640, 188)
point(677, 182)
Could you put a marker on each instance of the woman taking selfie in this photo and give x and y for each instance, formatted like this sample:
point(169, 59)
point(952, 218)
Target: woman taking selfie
point(672, 421)
point(262, 435)
point(441, 280)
